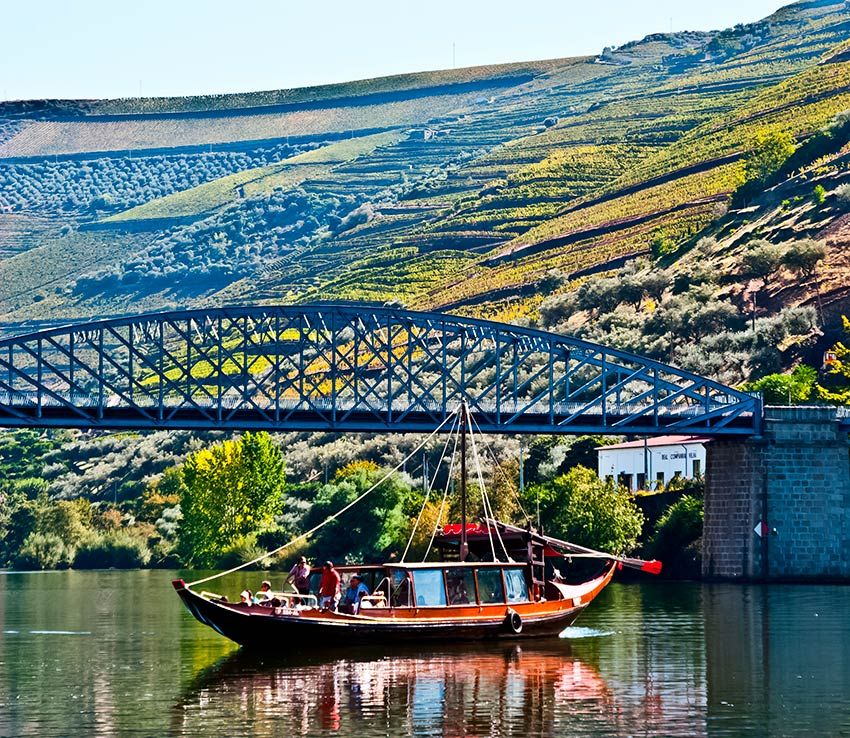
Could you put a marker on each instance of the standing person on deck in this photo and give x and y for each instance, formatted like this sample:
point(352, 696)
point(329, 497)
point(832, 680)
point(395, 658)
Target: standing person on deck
point(329, 587)
point(299, 575)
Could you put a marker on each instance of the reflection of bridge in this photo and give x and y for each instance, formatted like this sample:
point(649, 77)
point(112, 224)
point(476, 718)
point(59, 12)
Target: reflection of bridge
point(348, 368)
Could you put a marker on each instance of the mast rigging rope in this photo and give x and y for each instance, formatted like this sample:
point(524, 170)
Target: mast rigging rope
point(428, 491)
point(305, 536)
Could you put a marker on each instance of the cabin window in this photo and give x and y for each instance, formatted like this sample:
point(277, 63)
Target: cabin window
point(429, 587)
point(490, 587)
point(461, 586)
point(516, 585)
point(400, 595)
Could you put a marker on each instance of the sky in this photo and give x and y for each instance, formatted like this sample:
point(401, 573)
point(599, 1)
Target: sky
point(104, 48)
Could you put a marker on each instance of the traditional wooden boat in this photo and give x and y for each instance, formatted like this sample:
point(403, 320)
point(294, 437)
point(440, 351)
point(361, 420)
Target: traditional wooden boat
point(469, 598)
point(447, 601)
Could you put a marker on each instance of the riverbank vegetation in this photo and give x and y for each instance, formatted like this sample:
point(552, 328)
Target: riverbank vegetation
point(230, 501)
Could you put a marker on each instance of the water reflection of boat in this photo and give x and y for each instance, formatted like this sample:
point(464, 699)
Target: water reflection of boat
point(450, 691)
point(516, 594)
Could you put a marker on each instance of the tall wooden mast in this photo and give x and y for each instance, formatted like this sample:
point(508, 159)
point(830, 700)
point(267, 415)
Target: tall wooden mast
point(464, 548)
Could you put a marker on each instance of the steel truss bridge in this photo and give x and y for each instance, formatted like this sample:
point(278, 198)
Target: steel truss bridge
point(348, 367)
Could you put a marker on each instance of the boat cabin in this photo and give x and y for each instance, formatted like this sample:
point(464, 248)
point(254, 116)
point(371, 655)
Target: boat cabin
point(437, 584)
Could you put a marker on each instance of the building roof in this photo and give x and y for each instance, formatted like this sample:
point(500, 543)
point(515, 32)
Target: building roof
point(655, 442)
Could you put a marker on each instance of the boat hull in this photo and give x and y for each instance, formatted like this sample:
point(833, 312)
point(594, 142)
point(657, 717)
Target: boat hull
point(277, 629)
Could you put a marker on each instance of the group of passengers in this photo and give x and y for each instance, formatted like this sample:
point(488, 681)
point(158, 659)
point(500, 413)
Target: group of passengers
point(331, 596)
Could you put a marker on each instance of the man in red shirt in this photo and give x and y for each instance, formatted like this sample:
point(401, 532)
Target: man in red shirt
point(329, 587)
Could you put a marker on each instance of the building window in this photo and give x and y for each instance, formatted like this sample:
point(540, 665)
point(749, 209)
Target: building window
point(659, 480)
point(641, 481)
point(697, 467)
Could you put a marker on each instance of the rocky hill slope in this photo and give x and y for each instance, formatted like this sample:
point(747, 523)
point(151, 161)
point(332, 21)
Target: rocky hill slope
point(516, 191)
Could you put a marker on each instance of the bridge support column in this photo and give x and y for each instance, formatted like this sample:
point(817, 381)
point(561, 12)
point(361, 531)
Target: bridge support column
point(796, 480)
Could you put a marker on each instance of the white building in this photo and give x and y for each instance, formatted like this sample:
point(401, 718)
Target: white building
point(652, 462)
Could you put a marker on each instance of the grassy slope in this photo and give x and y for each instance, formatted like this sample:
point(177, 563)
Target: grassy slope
point(223, 191)
point(239, 102)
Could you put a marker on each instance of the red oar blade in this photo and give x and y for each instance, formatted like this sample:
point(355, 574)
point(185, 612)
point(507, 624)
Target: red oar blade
point(652, 567)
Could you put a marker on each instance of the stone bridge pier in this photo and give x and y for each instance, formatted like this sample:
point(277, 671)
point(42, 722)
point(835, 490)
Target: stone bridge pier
point(793, 483)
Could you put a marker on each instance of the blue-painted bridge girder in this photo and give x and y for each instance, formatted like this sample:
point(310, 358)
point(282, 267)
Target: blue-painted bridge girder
point(349, 367)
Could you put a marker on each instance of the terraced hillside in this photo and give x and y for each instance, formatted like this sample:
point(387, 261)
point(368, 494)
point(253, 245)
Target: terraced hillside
point(495, 190)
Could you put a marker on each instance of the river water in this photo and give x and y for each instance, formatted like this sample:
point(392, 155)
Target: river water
point(115, 654)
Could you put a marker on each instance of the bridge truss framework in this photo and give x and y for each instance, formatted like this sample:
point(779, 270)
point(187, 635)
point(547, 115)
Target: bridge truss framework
point(349, 367)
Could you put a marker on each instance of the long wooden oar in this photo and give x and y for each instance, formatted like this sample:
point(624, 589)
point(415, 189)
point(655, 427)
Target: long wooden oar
point(649, 567)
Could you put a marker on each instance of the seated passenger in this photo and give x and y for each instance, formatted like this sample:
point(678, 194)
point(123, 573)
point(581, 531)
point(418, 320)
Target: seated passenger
point(457, 592)
point(246, 598)
point(351, 599)
point(264, 594)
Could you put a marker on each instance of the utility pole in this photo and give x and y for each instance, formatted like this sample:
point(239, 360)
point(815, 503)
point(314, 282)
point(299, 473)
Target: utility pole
point(754, 293)
point(521, 464)
point(425, 473)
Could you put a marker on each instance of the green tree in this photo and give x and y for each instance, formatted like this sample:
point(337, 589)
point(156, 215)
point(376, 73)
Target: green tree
point(655, 284)
point(231, 489)
point(598, 295)
point(804, 257)
point(676, 532)
point(632, 291)
point(163, 493)
point(371, 528)
point(784, 389)
point(115, 550)
point(770, 151)
point(17, 520)
point(43, 551)
point(584, 509)
point(552, 281)
point(22, 452)
point(763, 259)
point(661, 246)
point(70, 520)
